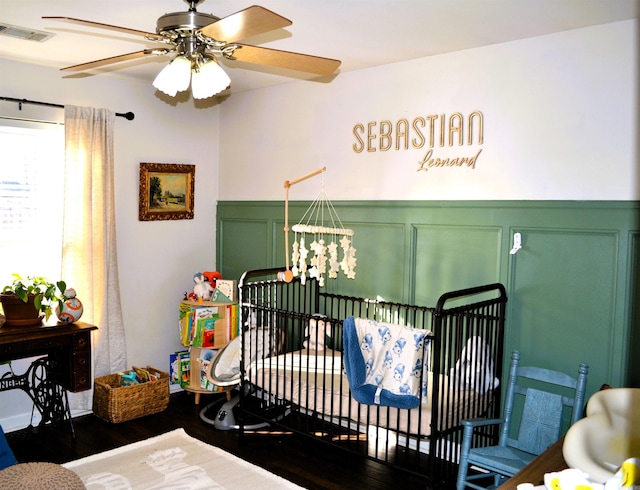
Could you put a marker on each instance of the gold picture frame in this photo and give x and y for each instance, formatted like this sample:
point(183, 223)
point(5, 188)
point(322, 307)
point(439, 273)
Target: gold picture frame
point(166, 191)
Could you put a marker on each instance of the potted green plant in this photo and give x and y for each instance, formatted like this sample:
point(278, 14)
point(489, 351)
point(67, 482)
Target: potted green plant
point(26, 300)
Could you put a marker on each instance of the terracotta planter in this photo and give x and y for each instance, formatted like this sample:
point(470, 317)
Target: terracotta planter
point(18, 313)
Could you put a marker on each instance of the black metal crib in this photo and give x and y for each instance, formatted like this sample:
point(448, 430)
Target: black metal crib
point(297, 383)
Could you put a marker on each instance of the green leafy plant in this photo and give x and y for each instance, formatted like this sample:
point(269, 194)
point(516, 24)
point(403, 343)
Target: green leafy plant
point(45, 294)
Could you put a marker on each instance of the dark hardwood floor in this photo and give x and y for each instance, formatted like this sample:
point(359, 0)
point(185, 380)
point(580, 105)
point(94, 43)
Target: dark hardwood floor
point(308, 463)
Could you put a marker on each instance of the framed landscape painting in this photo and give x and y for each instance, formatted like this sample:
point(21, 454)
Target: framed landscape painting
point(166, 191)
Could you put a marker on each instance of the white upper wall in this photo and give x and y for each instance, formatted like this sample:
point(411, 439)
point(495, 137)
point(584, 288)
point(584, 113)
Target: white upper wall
point(156, 259)
point(560, 123)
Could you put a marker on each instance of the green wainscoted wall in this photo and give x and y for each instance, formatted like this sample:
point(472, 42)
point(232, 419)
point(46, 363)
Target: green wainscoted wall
point(572, 287)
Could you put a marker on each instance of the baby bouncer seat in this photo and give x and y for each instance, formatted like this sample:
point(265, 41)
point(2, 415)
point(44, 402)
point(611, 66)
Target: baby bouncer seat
point(224, 371)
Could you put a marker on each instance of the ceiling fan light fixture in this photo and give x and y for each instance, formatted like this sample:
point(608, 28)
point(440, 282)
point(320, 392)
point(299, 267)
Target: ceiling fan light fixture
point(196, 37)
point(174, 77)
point(208, 79)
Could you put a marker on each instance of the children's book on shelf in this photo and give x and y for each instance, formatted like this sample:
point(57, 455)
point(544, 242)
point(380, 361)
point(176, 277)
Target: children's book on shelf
point(174, 367)
point(233, 321)
point(219, 297)
point(207, 324)
point(204, 325)
point(185, 323)
point(184, 368)
point(228, 288)
point(203, 359)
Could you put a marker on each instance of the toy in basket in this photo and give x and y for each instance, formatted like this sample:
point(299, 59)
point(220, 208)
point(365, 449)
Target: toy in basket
point(116, 403)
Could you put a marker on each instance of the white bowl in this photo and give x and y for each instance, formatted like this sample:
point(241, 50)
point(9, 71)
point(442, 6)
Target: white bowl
point(608, 435)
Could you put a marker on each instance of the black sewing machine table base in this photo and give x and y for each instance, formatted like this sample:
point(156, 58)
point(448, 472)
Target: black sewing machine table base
point(49, 397)
point(67, 366)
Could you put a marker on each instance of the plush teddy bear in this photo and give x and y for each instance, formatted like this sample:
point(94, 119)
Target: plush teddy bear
point(316, 332)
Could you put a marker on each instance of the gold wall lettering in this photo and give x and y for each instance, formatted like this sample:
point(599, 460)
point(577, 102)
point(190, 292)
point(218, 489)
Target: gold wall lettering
point(428, 162)
point(432, 131)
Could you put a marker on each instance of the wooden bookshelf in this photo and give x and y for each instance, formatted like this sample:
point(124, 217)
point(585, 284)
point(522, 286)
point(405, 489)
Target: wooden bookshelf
point(222, 336)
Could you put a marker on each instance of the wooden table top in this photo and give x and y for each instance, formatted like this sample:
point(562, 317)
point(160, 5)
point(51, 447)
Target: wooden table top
point(10, 334)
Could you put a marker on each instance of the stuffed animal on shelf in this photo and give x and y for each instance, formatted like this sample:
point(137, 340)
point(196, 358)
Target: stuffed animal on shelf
point(212, 277)
point(316, 333)
point(202, 288)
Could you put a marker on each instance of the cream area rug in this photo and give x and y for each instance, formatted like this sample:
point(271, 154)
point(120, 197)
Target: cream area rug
point(174, 461)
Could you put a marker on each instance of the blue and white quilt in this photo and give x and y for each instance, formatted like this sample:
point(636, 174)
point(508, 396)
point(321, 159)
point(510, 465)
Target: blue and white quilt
point(386, 364)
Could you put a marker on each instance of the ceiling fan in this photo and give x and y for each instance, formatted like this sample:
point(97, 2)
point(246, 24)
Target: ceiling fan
point(197, 39)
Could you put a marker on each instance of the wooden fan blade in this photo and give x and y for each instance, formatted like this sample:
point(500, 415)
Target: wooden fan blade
point(244, 24)
point(285, 59)
point(108, 61)
point(126, 30)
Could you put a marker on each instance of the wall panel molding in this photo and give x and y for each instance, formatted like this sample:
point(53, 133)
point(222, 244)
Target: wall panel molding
point(572, 287)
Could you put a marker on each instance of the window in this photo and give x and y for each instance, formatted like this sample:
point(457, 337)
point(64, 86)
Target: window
point(31, 198)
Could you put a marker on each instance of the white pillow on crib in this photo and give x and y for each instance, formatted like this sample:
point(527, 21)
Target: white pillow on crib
point(316, 332)
point(474, 370)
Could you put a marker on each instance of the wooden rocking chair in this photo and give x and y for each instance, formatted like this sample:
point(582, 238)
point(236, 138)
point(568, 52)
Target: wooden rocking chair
point(540, 423)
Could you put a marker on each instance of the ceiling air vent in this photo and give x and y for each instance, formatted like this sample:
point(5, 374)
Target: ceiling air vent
point(24, 33)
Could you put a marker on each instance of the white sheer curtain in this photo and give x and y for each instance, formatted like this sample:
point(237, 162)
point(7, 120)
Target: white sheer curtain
point(89, 262)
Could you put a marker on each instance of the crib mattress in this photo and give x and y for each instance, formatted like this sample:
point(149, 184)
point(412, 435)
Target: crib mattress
point(315, 381)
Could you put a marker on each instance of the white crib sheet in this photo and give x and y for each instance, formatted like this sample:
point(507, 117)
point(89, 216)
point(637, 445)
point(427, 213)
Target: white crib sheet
point(315, 381)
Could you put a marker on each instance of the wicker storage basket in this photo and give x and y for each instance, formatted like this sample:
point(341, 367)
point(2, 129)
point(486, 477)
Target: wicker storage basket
point(115, 403)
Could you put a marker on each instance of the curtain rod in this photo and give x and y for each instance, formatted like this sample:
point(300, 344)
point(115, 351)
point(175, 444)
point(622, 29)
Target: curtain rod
point(128, 115)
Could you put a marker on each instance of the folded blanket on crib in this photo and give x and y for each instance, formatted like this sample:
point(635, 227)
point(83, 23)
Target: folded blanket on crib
point(384, 362)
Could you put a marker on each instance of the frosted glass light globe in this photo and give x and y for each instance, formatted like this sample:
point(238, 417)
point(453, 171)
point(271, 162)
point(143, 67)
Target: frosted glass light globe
point(174, 77)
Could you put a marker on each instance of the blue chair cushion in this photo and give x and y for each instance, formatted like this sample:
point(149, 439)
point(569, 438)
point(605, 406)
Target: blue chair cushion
point(504, 460)
point(6, 454)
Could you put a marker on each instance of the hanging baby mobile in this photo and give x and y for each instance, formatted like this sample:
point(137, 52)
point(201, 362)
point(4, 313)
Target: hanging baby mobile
point(322, 245)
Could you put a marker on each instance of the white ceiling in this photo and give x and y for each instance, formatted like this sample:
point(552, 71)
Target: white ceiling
point(360, 33)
